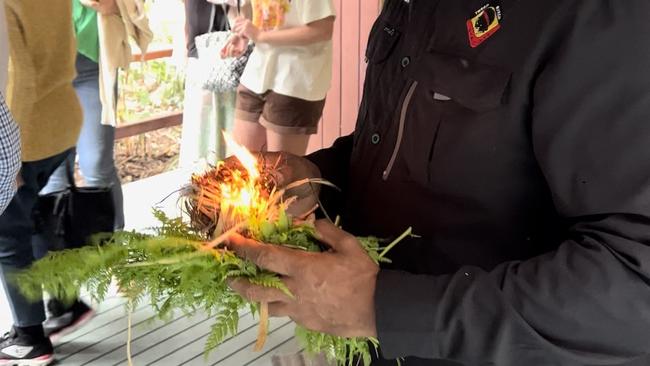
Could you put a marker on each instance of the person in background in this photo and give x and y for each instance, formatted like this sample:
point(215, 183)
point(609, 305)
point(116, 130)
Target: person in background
point(97, 139)
point(9, 155)
point(205, 114)
point(9, 134)
point(41, 97)
point(282, 93)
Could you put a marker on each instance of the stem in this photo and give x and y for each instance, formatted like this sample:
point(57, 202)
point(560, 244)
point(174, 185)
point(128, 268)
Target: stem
point(165, 261)
point(264, 327)
point(395, 242)
point(310, 180)
point(129, 335)
point(221, 238)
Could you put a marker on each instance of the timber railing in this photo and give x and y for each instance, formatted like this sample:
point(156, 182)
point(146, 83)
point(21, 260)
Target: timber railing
point(158, 122)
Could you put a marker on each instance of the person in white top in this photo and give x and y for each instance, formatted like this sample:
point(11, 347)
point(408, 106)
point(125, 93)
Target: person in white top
point(282, 93)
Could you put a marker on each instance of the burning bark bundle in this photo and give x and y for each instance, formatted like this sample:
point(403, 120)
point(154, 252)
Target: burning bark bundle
point(184, 266)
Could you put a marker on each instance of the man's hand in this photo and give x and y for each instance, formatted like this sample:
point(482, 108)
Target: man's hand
point(287, 168)
point(103, 7)
point(333, 291)
point(235, 47)
point(244, 27)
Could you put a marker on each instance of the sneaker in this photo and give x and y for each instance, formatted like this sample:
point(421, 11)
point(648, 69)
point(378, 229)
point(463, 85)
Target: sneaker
point(65, 320)
point(22, 350)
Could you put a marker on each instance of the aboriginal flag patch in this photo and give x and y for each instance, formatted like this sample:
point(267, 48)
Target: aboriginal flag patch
point(485, 22)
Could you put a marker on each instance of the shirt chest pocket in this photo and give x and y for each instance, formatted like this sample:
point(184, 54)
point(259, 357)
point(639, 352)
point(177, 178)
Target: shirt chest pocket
point(454, 116)
point(476, 86)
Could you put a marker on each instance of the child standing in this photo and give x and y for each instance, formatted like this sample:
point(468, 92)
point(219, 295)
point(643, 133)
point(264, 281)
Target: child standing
point(282, 93)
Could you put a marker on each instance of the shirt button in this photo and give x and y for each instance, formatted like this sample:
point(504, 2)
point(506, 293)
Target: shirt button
point(406, 61)
point(375, 138)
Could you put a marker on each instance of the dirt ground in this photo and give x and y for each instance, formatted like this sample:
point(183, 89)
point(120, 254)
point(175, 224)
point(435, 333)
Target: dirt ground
point(149, 154)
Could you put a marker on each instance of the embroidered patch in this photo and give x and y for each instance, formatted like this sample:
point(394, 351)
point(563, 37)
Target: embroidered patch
point(485, 22)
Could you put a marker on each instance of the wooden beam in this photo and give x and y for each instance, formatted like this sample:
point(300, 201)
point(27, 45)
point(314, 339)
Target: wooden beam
point(148, 125)
point(152, 55)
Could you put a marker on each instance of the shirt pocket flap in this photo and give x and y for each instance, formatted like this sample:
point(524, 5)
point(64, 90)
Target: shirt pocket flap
point(383, 39)
point(473, 85)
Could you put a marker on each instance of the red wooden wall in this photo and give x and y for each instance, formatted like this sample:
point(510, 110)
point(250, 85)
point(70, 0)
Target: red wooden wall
point(353, 23)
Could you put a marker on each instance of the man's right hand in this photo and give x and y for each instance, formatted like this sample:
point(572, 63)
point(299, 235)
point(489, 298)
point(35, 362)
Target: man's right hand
point(286, 168)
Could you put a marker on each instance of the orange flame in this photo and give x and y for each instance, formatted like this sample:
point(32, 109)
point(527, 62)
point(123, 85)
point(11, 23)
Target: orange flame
point(247, 159)
point(241, 198)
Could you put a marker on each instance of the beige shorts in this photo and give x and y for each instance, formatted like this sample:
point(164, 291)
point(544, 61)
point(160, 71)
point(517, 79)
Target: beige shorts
point(279, 113)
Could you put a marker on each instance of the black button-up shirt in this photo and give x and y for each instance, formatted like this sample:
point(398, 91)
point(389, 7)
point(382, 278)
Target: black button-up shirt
point(521, 157)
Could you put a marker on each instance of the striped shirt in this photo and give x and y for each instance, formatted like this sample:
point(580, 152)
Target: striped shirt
point(9, 155)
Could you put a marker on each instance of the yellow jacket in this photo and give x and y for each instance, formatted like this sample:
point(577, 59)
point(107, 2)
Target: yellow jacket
point(42, 67)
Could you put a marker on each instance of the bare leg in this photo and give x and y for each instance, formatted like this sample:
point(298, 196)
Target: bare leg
point(251, 135)
point(295, 144)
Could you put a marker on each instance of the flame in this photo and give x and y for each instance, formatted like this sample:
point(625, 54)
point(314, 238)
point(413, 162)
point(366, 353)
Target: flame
point(243, 155)
point(234, 195)
point(241, 198)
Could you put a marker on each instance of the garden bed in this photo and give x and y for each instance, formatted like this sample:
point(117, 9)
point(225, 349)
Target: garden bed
point(148, 154)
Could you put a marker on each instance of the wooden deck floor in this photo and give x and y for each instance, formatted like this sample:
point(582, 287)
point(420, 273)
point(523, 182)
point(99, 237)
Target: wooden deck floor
point(180, 341)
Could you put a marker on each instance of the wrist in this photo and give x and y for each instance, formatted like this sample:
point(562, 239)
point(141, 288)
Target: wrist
point(260, 37)
point(371, 320)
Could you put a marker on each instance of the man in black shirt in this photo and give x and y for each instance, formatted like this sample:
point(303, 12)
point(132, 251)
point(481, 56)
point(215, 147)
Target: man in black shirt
point(514, 137)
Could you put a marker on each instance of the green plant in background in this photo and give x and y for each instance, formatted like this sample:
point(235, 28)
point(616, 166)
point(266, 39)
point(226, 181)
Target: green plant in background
point(149, 89)
point(154, 87)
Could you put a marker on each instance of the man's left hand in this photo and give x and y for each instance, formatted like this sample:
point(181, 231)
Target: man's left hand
point(333, 291)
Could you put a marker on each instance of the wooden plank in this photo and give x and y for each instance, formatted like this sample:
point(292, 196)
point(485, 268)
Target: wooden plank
point(156, 123)
point(95, 343)
point(186, 345)
point(280, 331)
point(153, 55)
point(288, 347)
point(329, 127)
point(168, 341)
point(332, 113)
point(144, 341)
point(368, 14)
point(350, 64)
point(113, 350)
point(108, 304)
point(104, 319)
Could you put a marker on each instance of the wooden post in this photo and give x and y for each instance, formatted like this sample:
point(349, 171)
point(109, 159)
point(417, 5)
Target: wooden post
point(353, 24)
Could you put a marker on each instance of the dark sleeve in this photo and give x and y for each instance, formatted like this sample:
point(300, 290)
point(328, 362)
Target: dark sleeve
point(588, 302)
point(334, 163)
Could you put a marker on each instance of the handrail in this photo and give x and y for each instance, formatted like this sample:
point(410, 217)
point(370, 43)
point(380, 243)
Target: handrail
point(148, 125)
point(152, 55)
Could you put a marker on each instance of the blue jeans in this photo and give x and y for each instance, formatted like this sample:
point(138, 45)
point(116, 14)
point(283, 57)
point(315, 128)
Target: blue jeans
point(16, 229)
point(96, 141)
